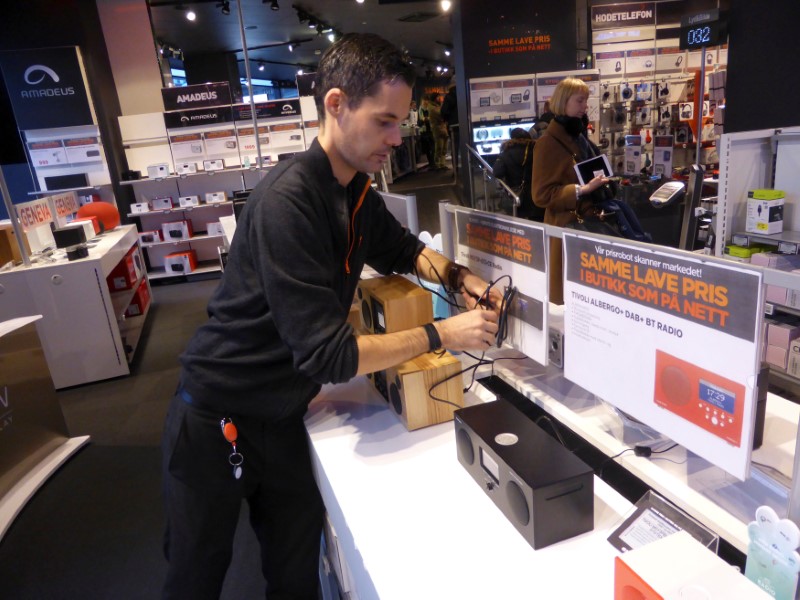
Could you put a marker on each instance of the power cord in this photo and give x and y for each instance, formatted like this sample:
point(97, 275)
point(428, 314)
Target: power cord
point(639, 450)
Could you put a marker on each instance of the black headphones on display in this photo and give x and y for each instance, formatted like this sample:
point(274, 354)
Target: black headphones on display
point(604, 143)
point(664, 91)
point(627, 92)
point(621, 141)
point(618, 67)
point(619, 115)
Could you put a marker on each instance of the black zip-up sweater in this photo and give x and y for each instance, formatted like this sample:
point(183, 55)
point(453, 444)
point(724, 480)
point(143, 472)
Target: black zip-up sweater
point(277, 325)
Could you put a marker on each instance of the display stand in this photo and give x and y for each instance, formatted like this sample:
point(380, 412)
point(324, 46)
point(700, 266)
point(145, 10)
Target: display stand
point(33, 435)
point(87, 332)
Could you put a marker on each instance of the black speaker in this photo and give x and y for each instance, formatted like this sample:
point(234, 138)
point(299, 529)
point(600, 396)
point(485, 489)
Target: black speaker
point(541, 487)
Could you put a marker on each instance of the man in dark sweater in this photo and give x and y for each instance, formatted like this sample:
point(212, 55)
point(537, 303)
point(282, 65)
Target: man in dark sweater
point(277, 330)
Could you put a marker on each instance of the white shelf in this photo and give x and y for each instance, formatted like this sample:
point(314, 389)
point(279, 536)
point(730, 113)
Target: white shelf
point(204, 267)
point(198, 174)
point(194, 238)
point(131, 331)
point(177, 209)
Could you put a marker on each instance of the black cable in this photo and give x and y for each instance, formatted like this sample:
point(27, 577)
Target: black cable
point(608, 460)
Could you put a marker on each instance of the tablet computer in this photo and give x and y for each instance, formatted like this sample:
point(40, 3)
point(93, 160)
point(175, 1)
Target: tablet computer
point(591, 168)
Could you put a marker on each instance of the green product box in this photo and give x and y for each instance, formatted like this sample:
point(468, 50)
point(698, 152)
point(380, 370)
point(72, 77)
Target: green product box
point(766, 194)
point(742, 252)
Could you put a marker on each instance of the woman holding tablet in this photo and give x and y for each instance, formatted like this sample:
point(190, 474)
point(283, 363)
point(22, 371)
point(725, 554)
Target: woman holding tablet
point(555, 185)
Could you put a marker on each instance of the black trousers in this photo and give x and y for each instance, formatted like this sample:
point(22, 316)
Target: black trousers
point(203, 500)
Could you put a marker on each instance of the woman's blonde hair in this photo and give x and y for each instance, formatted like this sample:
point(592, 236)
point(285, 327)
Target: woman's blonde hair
point(564, 91)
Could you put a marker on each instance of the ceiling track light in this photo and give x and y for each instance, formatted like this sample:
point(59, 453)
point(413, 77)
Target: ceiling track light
point(273, 5)
point(225, 7)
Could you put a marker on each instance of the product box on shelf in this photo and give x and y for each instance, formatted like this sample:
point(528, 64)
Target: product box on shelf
point(765, 211)
point(150, 237)
point(140, 207)
point(188, 201)
point(181, 262)
point(794, 358)
point(158, 171)
point(216, 197)
point(215, 228)
point(177, 230)
point(127, 272)
point(140, 301)
point(162, 203)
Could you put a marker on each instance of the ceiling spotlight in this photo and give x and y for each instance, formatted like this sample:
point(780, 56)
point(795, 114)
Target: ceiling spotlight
point(225, 7)
point(332, 36)
point(312, 24)
point(291, 47)
point(360, 1)
point(261, 66)
point(320, 29)
point(438, 68)
point(190, 15)
point(445, 4)
point(273, 5)
point(299, 71)
point(447, 51)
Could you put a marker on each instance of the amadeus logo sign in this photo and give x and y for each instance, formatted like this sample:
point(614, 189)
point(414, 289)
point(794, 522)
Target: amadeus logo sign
point(35, 75)
point(196, 96)
point(46, 88)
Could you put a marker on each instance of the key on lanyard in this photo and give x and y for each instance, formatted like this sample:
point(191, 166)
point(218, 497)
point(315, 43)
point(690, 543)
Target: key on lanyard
point(230, 433)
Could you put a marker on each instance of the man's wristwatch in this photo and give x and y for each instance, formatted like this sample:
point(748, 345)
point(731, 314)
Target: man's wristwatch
point(434, 341)
point(455, 276)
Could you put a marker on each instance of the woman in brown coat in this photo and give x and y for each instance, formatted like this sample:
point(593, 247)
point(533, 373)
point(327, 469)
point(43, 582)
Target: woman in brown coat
point(555, 184)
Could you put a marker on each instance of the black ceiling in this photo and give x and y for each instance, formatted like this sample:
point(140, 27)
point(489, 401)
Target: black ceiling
point(421, 28)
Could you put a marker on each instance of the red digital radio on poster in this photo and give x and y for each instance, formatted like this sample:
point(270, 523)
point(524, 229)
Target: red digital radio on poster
point(704, 398)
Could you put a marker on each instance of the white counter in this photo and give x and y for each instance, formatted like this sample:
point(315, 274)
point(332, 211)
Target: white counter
point(412, 523)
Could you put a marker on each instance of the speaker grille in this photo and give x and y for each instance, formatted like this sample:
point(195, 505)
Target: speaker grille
point(395, 398)
point(517, 503)
point(466, 451)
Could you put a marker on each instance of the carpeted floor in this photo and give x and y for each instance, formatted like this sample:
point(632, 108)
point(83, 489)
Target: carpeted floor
point(94, 530)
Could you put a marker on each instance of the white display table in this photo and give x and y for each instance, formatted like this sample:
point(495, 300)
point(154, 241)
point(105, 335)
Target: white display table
point(412, 523)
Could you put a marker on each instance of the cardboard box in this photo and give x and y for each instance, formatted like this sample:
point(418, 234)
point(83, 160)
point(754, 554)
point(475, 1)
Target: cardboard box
point(776, 294)
point(9, 247)
point(140, 301)
point(181, 262)
point(766, 194)
point(93, 219)
point(186, 168)
point(794, 358)
point(162, 203)
point(124, 275)
point(177, 230)
point(744, 251)
point(158, 171)
point(781, 333)
point(764, 216)
point(777, 356)
point(140, 207)
point(783, 262)
point(150, 237)
point(679, 567)
point(215, 228)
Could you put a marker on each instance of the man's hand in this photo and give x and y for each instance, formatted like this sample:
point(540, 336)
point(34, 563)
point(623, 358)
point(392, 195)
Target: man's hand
point(470, 330)
point(474, 292)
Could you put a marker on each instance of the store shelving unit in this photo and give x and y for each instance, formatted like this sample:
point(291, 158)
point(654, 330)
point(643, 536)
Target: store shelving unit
point(85, 334)
point(197, 184)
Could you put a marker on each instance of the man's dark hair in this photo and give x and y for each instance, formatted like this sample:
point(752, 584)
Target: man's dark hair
point(357, 64)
